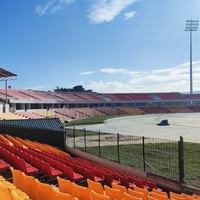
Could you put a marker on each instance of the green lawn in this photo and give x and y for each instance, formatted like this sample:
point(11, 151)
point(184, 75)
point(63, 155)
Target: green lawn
point(160, 158)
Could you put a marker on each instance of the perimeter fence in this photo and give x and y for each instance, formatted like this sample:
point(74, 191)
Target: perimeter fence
point(162, 157)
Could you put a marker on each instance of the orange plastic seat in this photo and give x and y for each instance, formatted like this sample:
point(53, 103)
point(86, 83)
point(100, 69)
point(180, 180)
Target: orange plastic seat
point(146, 192)
point(176, 196)
point(61, 196)
point(95, 186)
point(130, 197)
point(30, 186)
point(45, 191)
point(17, 178)
point(137, 194)
point(80, 192)
point(97, 196)
point(65, 186)
point(114, 194)
point(159, 196)
point(119, 187)
point(159, 192)
point(151, 198)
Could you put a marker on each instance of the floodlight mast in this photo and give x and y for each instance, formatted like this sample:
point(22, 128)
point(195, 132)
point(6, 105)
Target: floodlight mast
point(191, 25)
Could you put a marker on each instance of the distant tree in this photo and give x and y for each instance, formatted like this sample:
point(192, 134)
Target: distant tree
point(77, 88)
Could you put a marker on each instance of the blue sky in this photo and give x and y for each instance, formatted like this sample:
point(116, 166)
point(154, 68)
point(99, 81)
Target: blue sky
point(103, 45)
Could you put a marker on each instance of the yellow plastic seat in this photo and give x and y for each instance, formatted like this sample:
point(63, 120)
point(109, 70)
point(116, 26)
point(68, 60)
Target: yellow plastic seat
point(7, 184)
point(19, 195)
point(114, 194)
point(65, 186)
point(2, 178)
point(5, 193)
point(130, 197)
point(95, 186)
point(80, 192)
point(97, 196)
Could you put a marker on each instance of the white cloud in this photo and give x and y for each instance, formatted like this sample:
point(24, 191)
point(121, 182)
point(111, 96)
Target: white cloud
point(129, 15)
point(106, 10)
point(174, 79)
point(113, 70)
point(87, 73)
point(52, 6)
point(109, 87)
point(39, 87)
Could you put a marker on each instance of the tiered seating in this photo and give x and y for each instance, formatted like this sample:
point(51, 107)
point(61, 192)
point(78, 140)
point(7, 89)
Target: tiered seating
point(93, 97)
point(194, 108)
point(135, 189)
point(8, 153)
point(171, 96)
point(155, 110)
point(68, 190)
point(110, 111)
point(15, 94)
point(13, 140)
point(178, 109)
point(73, 114)
point(40, 95)
point(90, 112)
point(140, 97)
point(51, 114)
point(6, 141)
point(4, 116)
point(192, 96)
point(29, 115)
point(35, 189)
point(8, 191)
point(69, 97)
point(118, 97)
point(118, 192)
point(132, 111)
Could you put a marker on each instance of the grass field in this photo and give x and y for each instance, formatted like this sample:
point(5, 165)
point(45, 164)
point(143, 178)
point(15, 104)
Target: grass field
point(160, 158)
point(94, 120)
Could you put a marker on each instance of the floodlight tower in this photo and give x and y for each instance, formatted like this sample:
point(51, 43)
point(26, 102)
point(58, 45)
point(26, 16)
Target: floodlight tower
point(191, 25)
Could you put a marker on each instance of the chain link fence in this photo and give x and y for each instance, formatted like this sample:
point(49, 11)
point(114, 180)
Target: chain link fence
point(166, 158)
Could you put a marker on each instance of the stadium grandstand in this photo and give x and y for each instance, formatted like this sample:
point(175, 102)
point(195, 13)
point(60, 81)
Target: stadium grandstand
point(32, 104)
point(36, 163)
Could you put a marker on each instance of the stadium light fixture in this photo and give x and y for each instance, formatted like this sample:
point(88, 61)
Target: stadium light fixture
point(191, 25)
